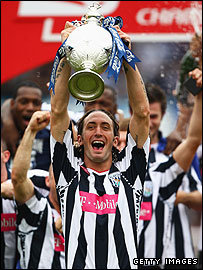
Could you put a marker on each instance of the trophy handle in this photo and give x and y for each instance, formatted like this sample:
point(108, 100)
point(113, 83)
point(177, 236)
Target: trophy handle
point(86, 85)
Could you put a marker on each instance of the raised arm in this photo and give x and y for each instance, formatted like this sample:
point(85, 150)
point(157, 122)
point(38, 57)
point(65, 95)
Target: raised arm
point(185, 152)
point(139, 122)
point(23, 186)
point(59, 114)
point(179, 133)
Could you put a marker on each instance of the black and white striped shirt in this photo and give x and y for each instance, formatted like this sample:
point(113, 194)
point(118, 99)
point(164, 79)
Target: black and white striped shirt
point(8, 220)
point(156, 225)
point(8, 234)
point(37, 177)
point(181, 243)
point(99, 209)
point(40, 245)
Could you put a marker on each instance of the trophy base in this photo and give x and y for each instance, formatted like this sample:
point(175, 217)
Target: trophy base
point(86, 85)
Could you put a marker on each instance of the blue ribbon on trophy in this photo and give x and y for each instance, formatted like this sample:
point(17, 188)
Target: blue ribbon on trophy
point(59, 55)
point(119, 49)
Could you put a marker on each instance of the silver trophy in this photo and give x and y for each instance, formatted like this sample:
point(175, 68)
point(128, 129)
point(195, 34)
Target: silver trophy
point(88, 50)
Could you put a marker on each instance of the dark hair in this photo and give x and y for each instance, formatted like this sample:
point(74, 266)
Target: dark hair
point(25, 83)
point(79, 150)
point(111, 100)
point(4, 144)
point(124, 124)
point(156, 94)
point(114, 92)
point(80, 123)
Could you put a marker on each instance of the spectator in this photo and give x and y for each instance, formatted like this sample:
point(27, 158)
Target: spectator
point(99, 234)
point(16, 114)
point(163, 225)
point(40, 243)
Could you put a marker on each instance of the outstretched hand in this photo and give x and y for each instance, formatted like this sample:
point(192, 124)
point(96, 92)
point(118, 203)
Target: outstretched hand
point(39, 120)
point(197, 75)
point(173, 140)
point(69, 27)
point(123, 36)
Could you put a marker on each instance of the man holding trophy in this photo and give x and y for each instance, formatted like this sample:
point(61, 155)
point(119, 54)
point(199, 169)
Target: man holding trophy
point(99, 189)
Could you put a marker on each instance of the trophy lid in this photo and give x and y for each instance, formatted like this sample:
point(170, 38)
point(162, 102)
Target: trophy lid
point(93, 9)
point(93, 13)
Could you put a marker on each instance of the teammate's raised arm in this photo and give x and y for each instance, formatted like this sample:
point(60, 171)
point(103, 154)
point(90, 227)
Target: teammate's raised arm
point(185, 152)
point(23, 186)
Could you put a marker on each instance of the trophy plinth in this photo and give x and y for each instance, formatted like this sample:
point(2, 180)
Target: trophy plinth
point(88, 50)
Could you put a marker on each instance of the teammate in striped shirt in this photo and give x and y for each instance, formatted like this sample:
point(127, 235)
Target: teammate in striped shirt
point(8, 215)
point(9, 255)
point(163, 179)
point(40, 243)
point(99, 195)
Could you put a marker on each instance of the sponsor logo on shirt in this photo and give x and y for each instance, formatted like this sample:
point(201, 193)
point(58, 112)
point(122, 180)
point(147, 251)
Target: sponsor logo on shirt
point(115, 178)
point(59, 242)
point(8, 222)
point(100, 205)
point(146, 211)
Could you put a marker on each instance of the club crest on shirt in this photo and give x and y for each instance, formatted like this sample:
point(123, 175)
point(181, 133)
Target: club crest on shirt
point(148, 188)
point(115, 179)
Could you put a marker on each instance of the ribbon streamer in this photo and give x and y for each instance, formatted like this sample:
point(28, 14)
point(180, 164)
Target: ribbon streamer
point(119, 49)
point(59, 55)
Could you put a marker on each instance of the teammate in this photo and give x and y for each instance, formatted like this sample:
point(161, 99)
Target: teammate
point(16, 113)
point(161, 231)
point(40, 243)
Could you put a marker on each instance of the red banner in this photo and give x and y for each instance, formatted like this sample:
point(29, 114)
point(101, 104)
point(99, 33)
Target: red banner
point(30, 30)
